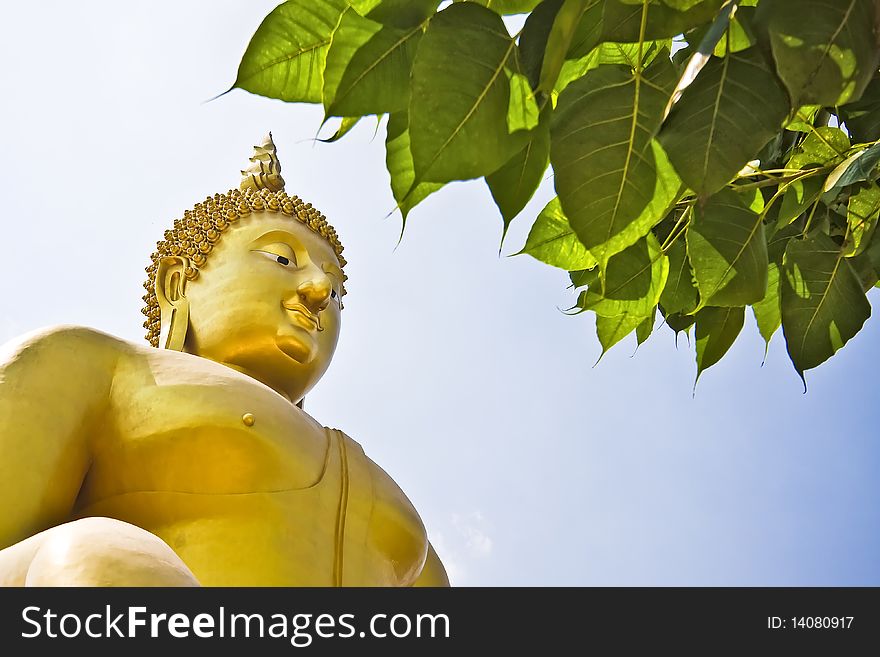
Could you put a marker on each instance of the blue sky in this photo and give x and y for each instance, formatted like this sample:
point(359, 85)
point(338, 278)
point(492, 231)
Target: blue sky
point(456, 370)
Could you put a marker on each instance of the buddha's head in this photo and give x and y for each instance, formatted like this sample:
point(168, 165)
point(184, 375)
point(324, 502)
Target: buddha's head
point(252, 279)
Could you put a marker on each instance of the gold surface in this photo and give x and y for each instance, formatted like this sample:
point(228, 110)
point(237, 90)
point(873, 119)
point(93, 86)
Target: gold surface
point(191, 464)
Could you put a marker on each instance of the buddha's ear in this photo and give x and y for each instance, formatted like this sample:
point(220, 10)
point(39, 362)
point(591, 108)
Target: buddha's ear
point(170, 286)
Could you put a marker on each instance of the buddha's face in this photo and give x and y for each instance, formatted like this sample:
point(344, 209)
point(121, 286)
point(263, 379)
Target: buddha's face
point(267, 303)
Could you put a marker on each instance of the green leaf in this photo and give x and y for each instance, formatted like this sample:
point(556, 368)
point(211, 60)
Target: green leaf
point(768, 311)
point(397, 13)
point(506, 7)
point(583, 277)
point(716, 331)
point(824, 146)
point(611, 53)
point(286, 56)
point(514, 184)
point(613, 179)
point(823, 304)
point(678, 322)
point(552, 241)
point(347, 123)
point(679, 294)
point(722, 120)
point(682, 5)
point(522, 109)
point(573, 69)
point(644, 330)
point(533, 39)
point(866, 264)
point(561, 33)
point(460, 96)
point(398, 161)
point(739, 35)
point(862, 211)
point(368, 67)
point(863, 116)
point(634, 280)
point(612, 20)
point(611, 330)
point(728, 250)
point(777, 244)
point(825, 52)
point(803, 119)
point(798, 196)
point(854, 169)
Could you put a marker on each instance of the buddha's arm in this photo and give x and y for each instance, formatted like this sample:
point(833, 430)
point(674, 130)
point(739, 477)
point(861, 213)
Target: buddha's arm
point(433, 573)
point(54, 386)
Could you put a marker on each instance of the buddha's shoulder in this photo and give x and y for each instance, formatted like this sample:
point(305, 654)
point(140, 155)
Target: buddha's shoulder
point(66, 341)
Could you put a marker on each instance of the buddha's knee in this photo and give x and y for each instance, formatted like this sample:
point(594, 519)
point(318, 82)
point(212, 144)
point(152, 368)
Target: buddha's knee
point(105, 552)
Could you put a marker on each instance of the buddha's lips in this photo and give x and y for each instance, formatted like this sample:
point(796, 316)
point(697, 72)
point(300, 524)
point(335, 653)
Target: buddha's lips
point(299, 308)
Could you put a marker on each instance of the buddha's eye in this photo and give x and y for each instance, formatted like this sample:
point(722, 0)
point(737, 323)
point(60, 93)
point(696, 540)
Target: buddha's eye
point(281, 254)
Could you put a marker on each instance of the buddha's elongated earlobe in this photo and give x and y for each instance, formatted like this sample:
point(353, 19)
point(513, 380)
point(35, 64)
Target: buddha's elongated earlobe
point(172, 275)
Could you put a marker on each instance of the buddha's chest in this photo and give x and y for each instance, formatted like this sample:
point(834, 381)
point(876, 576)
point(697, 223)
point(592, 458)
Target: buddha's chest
point(247, 488)
point(203, 430)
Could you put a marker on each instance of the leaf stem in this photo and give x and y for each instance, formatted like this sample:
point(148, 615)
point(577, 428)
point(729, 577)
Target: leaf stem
point(783, 180)
point(810, 218)
point(685, 219)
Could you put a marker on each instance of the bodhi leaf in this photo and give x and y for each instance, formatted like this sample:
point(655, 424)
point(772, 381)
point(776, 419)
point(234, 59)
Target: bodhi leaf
point(728, 250)
point(506, 7)
point(396, 13)
point(679, 294)
point(768, 311)
point(722, 120)
point(611, 330)
point(368, 67)
point(522, 110)
point(583, 277)
point(613, 179)
point(286, 56)
point(644, 330)
point(803, 119)
point(823, 304)
point(862, 211)
point(398, 161)
point(613, 20)
point(825, 51)
point(611, 53)
point(738, 36)
point(682, 5)
point(533, 39)
point(678, 322)
point(514, 184)
point(552, 241)
point(634, 280)
point(777, 244)
point(561, 33)
point(798, 196)
point(460, 96)
point(823, 146)
point(854, 169)
point(866, 265)
point(716, 331)
point(347, 123)
point(863, 116)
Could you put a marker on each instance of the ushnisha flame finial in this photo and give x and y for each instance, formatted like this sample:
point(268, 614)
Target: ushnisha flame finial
point(265, 172)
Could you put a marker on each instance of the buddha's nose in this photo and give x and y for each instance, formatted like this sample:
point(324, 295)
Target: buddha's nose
point(314, 292)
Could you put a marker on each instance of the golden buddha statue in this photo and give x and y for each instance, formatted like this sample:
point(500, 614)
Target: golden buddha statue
point(189, 462)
